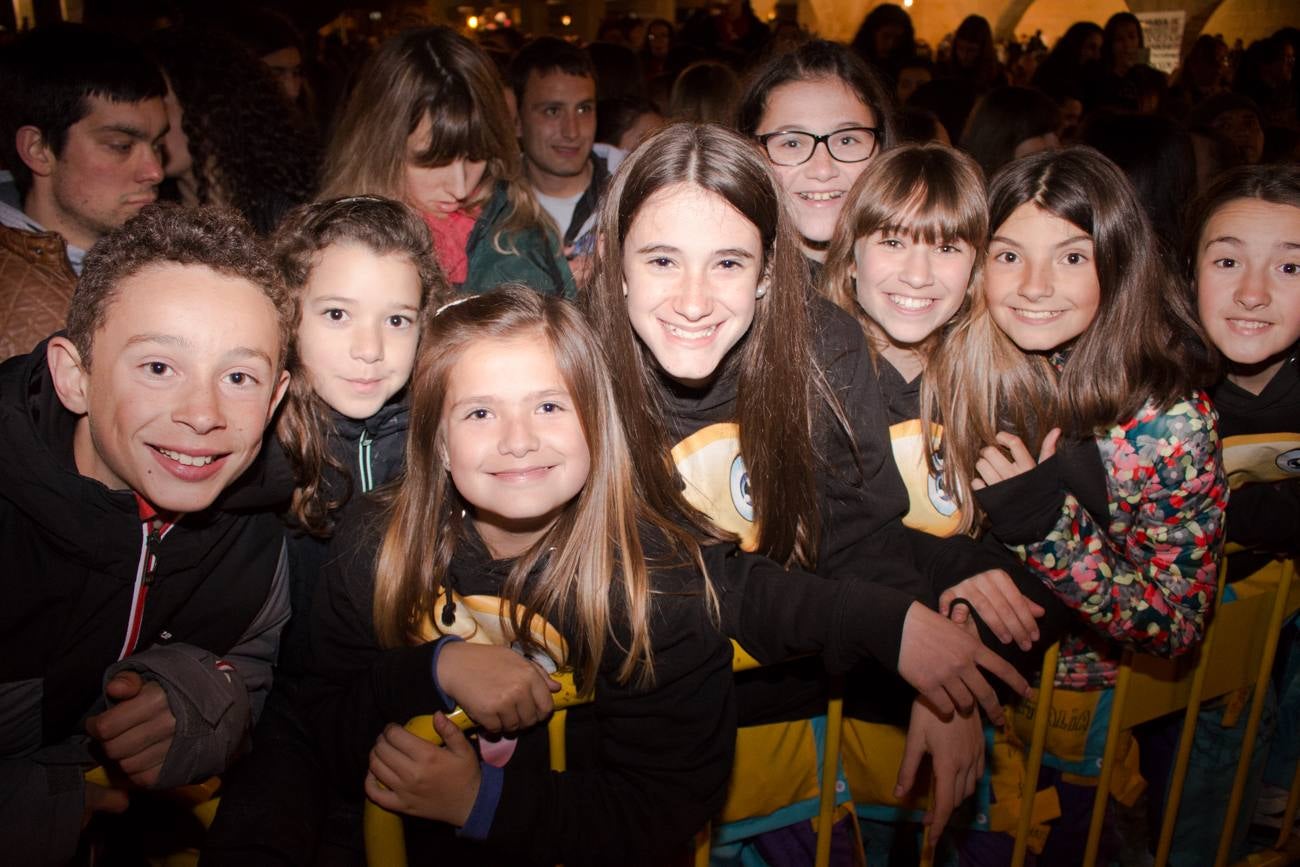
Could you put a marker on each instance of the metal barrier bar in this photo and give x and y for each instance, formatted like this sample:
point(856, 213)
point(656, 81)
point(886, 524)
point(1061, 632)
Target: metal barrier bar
point(555, 739)
point(1292, 804)
point(830, 775)
point(1037, 746)
point(1256, 711)
point(927, 844)
point(1108, 760)
point(1175, 798)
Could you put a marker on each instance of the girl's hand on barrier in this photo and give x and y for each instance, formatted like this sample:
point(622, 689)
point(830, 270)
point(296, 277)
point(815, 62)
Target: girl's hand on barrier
point(999, 603)
point(942, 661)
point(412, 776)
point(956, 749)
point(499, 689)
point(993, 465)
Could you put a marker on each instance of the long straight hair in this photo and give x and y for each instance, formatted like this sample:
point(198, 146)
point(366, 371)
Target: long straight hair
point(595, 575)
point(432, 72)
point(1144, 345)
point(773, 363)
point(928, 192)
point(384, 227)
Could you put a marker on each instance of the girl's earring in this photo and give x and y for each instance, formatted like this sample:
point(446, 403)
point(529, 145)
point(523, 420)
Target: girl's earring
point(760, 291)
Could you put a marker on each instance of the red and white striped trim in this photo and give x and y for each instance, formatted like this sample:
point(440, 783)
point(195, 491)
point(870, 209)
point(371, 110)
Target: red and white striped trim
point(140, 590)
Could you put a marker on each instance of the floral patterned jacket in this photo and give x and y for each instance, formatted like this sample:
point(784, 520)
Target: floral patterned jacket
point(1127, 533)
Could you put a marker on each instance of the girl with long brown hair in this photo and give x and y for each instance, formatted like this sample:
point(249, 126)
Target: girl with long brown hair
point(1074, 426)
point(755, 403)
point(427, 124)
point(519, 542)
point(820, 115)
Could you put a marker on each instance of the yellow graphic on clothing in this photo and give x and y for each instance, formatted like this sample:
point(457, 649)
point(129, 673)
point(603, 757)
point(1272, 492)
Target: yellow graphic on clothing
point(485, 620)
point(716, 480)
point(1268, 457)
point(929, 509)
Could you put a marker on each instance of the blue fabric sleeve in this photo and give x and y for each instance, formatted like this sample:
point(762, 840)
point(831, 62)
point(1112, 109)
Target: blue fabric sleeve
point(478, 824)
point(448, 704)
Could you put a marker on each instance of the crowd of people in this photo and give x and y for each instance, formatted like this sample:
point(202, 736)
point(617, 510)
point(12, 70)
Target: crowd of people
point(453, 362)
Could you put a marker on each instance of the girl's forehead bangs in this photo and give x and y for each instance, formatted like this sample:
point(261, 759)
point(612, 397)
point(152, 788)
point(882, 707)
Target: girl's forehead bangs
point(935, 218)
point(457, 131)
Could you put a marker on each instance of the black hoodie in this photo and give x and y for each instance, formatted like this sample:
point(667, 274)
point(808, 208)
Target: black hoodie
point(647, 766)
point(1261, 454)
point(203, 623)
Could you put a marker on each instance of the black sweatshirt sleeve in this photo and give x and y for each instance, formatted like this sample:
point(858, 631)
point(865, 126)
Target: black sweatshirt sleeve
point(863, 534)
point(662, 756)
point(355, 687)
point(1266, 516)
point(779, 614)
point(991, 554)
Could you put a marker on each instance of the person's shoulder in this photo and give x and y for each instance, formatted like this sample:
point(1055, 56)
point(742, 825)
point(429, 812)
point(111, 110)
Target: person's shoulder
point(1191, 417)
point(835, 332)
point(358, 530)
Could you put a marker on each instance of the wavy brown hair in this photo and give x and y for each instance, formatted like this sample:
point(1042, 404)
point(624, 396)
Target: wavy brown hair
point(779, 386)
point(165, 234)
point(247, 148)
point(1144, 345)
point(594, 578)
point(928, 192)
point(386, 228)
point(436, 73)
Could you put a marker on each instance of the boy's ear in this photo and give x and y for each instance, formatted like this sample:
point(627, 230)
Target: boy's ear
point(70, 377)
point(281, 389)
point(34, 152)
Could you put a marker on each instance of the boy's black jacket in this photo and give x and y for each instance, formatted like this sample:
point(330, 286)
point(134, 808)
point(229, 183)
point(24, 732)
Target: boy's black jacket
point(70, 548)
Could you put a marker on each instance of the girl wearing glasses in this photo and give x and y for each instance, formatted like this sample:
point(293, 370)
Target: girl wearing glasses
point(819, 114)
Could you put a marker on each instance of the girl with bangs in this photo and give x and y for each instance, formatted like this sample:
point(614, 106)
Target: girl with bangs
point(904, 254)
point(427, 124)
point(754, 408)
point(517, 543)
point(1080, 349)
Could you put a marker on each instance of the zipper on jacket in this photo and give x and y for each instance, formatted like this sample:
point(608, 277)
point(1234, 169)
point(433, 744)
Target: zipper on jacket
point(153, 531)
point(366, 475)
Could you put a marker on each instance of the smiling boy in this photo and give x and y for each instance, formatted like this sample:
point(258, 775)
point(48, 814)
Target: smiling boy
point(140, 620)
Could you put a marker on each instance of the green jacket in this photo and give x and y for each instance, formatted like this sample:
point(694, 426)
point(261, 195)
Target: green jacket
point(537, 262)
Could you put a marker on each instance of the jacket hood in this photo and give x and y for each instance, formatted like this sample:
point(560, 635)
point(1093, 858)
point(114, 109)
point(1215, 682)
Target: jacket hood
point(40, 476)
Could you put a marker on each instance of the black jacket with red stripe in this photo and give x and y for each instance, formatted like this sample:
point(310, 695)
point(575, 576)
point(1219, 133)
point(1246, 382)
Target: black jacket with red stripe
point(72, 558)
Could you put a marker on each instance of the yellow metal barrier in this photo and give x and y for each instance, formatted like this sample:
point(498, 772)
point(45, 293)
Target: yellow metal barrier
point(1276, 616)
point(1037, 746)
point(742, 661)
point(1184, 756)
point(1239, 650)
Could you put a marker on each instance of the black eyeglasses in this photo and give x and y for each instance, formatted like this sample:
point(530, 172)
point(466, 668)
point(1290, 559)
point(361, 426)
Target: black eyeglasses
point(795, 147)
